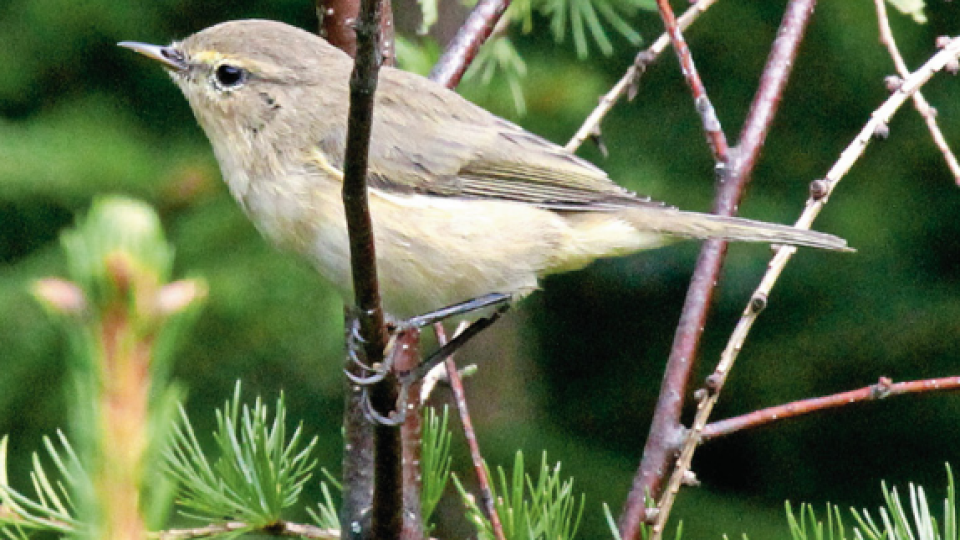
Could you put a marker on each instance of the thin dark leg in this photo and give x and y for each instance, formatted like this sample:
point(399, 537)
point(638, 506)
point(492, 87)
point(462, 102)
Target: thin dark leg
point(475, 304)
point(453, 345)
point(377, 373)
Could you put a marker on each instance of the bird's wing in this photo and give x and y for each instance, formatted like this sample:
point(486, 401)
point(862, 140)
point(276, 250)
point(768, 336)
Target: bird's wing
point(460, 150)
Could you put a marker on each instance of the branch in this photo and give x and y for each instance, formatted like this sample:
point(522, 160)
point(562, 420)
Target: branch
point(363, 85)
point(773, 82)
point(708, 115)
point(628, 83)
point(463, 48)
point(337, 19)
point(665, 431)
point(406, 351)
point(386, 512)
point(460, 397)
point(282, 528)
point(928, 113)
point(820, 192)
point(883, 389)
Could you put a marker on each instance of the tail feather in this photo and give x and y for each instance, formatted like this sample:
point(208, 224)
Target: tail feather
point(708, 226)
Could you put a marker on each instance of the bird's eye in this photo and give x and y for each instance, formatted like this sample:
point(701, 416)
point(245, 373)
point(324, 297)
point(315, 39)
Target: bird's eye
point(229, 77)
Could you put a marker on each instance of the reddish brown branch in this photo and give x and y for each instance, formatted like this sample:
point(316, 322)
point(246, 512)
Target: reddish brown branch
point(708, 115)
point(337, 24)
point(883, 389)
point(406, 353)
point(357, 463)
point(820, 192)
point(340, 25)
point(460, 398)
point(773, 81)
point(627, 86)
point(463, 48)
point(448, 71)
point(664, 439)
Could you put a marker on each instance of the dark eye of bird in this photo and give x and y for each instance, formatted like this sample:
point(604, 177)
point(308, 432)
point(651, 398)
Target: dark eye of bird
point(230, 76)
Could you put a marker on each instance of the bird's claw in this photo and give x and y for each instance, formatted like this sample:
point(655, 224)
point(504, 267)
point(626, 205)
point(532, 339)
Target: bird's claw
point(373, 374)
point(378, 375)
point(391, 420)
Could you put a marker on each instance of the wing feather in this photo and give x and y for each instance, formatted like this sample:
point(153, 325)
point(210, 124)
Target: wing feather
point(461, 150)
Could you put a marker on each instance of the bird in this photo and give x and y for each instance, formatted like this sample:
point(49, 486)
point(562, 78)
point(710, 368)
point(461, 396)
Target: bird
point(463, 203)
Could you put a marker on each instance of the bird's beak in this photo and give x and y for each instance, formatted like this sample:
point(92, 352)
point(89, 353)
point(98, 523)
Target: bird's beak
point(170, 57)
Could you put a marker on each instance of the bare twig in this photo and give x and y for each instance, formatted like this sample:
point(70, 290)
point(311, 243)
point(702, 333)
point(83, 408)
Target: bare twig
point(928, 113)
point(883, 389)
point(363, 84)
point(665, 431)
point(358, 449)
point(708, 115)
point(387, 510)
point(337, 19)
point(282, 528)
point(460, 398)
point(591, 126)
point(820, 192)
point(773, 82)
point(463, 48)
point(406, 357)
point(339, 25)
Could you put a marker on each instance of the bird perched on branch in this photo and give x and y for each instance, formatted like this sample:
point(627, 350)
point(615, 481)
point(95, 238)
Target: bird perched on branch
point(463, 203)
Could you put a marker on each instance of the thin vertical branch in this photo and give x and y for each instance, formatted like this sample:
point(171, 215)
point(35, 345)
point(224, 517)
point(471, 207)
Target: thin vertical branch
point(820, 193)
point(666, 431)
point(337, 25)
point(348, 24)
point(928, 113)
point(708, 115)
point(406, 352)
point(386, 512)
point(463, 48)
point(460, 398)
point(773, 82)
point(357, 457)
point(627, 84)
point(448, 71)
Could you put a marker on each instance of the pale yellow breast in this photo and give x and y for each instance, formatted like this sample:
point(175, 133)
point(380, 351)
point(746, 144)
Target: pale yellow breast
point(435, 251)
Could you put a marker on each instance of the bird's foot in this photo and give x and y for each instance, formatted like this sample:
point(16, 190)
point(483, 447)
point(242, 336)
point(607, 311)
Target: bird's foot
point(376, 373)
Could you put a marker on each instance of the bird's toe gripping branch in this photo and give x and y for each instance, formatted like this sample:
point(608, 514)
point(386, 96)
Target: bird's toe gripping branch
point(376, 374)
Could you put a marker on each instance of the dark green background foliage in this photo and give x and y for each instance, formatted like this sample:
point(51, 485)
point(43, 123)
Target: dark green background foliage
point(575, 370)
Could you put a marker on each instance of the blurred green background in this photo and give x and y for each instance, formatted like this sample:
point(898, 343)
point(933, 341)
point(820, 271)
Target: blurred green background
point(576, 368)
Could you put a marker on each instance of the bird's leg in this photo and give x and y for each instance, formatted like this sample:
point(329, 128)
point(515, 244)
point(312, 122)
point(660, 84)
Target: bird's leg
point(493, 299)
point(409, 377)
point(402, 353)
point(355, 342)
point(406, 378)
point(453, 345)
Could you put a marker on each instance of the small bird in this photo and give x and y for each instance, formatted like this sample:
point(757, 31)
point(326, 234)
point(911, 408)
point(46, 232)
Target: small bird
point(464, 203)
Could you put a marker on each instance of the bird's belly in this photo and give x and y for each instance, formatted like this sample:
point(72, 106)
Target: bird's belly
point(433, 252)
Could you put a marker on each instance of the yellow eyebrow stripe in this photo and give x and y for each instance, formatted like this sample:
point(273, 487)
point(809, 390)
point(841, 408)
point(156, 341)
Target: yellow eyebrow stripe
point(208, 56)
point(212, 58)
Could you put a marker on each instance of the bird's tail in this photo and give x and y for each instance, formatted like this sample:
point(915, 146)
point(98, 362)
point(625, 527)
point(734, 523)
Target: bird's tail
point(669, 221)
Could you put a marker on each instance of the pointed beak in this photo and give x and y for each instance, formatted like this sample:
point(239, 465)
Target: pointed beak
point(170, 57)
